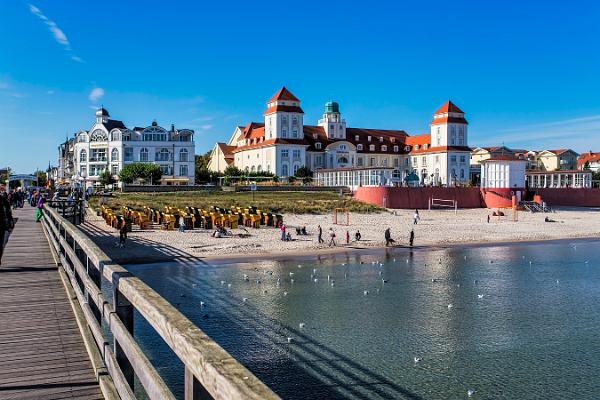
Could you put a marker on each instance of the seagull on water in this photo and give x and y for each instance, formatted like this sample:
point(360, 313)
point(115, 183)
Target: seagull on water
point(418, 359)
point(471, 392)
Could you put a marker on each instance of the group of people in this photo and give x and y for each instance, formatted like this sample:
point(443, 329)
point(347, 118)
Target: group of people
point(390, 242)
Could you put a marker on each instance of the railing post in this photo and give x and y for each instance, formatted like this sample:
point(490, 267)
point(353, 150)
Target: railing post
point(124, 311)
point(193, 389)
point(95, 276)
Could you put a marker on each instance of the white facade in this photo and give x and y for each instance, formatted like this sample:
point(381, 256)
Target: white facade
point(503, 174)
point(109, 145)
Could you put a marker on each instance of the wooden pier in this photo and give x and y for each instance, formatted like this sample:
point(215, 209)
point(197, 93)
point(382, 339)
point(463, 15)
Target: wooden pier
point(42, 352)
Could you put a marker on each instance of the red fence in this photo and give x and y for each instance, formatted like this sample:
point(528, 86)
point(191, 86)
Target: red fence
point(570, 197)
point(404, 197)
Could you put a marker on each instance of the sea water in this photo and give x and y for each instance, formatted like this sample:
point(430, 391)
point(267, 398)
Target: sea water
point(510, 322)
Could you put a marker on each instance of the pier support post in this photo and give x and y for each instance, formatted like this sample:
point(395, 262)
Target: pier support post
point(124, 310)
point(193, 389)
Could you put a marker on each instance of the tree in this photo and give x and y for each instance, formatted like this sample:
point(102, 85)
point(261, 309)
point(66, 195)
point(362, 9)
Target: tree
point(232, 170)
point(42, 178)
point(586, 166)
point(147, 172)
point(305, 174)
point(106, 178)
point(203, 174)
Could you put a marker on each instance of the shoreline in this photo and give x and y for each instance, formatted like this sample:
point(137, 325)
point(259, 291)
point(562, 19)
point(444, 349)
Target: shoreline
point(310, 253)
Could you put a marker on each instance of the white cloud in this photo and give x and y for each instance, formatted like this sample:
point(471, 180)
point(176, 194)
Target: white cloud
point(57, 33)
point(206, 127)
point(96, 94)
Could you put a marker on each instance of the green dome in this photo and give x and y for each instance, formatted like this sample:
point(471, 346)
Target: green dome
point(332, 107)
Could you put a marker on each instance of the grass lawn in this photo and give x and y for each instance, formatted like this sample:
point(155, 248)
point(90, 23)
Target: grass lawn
point(275, 202)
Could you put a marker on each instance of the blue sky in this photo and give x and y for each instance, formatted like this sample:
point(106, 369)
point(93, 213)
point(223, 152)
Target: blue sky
point(526, 73)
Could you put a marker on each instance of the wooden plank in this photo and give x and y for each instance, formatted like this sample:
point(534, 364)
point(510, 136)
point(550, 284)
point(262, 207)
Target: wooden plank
point(43, 356)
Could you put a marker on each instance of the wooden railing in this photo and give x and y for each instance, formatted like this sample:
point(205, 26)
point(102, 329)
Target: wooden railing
point(210, 372)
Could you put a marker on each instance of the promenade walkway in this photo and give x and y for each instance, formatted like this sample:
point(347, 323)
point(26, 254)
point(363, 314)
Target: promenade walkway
point(42, 355)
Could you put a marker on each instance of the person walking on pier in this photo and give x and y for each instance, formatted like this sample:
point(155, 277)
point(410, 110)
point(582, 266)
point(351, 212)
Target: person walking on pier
point(6, 222)
point(39, 207)
point(331, 237)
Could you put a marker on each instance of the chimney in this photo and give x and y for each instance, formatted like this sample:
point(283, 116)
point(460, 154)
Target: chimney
point(172, 127)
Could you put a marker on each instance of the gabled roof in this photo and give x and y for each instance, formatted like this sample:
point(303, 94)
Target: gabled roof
point(418, 139)
point(448, 107)
point(283, 94)
point(112, 124)
point(503, 158)
point(226, 149)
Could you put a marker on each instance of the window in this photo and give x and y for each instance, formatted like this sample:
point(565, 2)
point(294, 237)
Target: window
point(396, 162)
point(406, 148)
point(98, 154)
point(82, 138)
point(396, 149)
point(372, 147)
point(284, 133)
point(463, 159)
point(285, 153)
point(424, 160)
point(425, 146)
point(99, 136)
point(295, 133)
point(414, 161)
point(359, 161)
point(384, 148)
point(438, 136)
point(369, 138)
point(284, 120)
point(154, 134)
point(461, 135)
point(163, 155)
point(452, 134)
point(296, 153)
point(331, 126)
point(357, 138)
point(183, 155)
point(359, 147)
point(318, 146)
point(462, 174)
point(115, 136)
point(294, 121)
point(406, 162)
point(183, 170)
point(296, 167)
point(384, 162)
point(126, 136)
point(128, 154)
point(380, 139)
point(185, 138)
point(284, 170)
point(83, 156)
point(393, 140)
point(83, 171)
point(166, 169)
point(319, 160)
point(342, 160)
point(114, 170)
point(144, 154)
point(343, 147)
point(114, 155)
point(453, 159)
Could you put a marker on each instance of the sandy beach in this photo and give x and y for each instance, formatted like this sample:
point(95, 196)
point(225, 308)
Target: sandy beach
point(436, 227)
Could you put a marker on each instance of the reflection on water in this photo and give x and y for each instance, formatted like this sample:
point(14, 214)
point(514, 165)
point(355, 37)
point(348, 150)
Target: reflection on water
point(509, 322)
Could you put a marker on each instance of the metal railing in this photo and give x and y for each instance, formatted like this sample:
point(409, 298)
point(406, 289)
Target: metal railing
point(210, 372)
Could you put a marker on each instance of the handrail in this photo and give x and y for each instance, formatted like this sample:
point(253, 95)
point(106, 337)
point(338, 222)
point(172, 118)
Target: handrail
point(210, 372)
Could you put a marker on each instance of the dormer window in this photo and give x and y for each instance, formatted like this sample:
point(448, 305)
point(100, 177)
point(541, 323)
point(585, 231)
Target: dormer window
point(293, 104)
point(359, 147)
point(315, 135)
point(380, 139)
point(384, 148)
point(318, 146)
point(369, 138)
point(396, 149)
point(406, 148)
point(371, 147)
point(425, 146)
point(356, 138)
point(416, 147)
point(393, 140)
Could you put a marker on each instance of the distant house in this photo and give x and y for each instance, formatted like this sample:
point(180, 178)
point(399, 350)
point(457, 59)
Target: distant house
point(593, 160)
point(221, 157)
point(555, 160)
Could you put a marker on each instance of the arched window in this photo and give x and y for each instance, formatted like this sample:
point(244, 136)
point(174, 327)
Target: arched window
point(144, 154)
point(252, 169)
point(284, 170)
point(296, 168)
point(126, 136)
point(371, 147)
point(114, 155)
point(259, 168)
point(384, 148)
point(359, 147)
point(114, 136)
point(83, 156)
point(342, 160)
point(318, 146)
point(183, 155)
point(163, 155)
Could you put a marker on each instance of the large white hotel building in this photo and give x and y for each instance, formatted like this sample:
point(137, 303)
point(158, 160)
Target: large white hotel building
point(109, 145)
point(283, 143)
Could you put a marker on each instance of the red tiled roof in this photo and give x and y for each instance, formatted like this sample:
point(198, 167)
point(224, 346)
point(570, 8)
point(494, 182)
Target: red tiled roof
point(503, 158)
point(448, 107)
point(585, 157)
point(363, 134)
point(269, 142)
point(273, 109)
point(418, 139)
point(283, 94)
point(226, 149)
point(437, 149)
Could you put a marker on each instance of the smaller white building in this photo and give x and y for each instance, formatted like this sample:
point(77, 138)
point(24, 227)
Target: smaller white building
point(503, 174)
point(559, 179)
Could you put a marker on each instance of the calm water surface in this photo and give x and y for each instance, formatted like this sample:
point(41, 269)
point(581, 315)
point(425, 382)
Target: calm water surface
point(523, 323)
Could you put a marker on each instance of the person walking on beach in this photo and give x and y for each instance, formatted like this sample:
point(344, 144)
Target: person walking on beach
point(331, 237)
point(488, 218)
point(320, 234)
point(283, 232)
point(181, 224)
point(357, 235)
point(388, 237)
point(411, 239)
point(6, 222)
point(416, 217)
point(347, 237)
